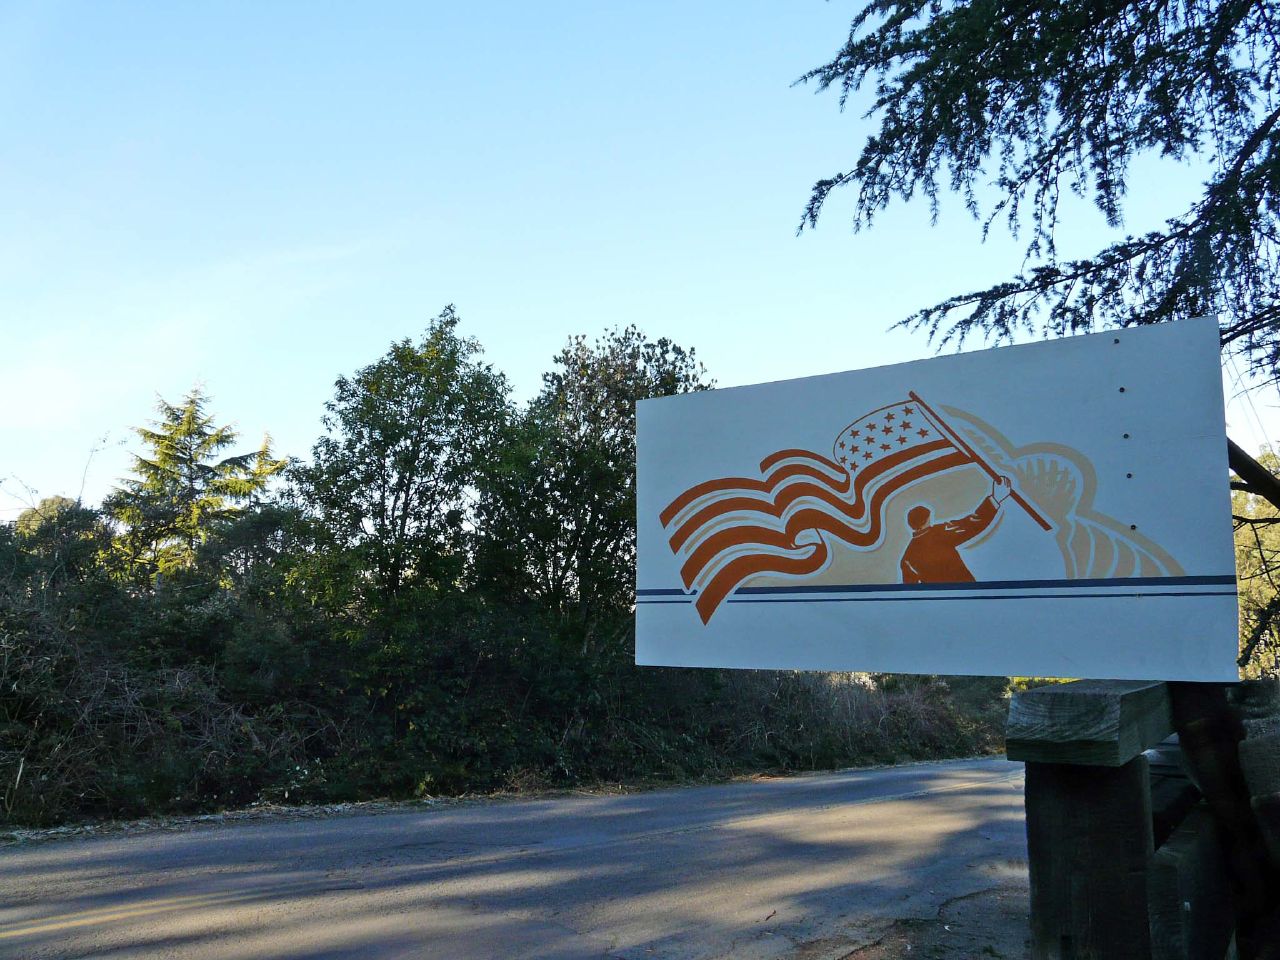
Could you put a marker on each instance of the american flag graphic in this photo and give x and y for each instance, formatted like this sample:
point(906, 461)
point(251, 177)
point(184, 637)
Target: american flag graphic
point(726, 531)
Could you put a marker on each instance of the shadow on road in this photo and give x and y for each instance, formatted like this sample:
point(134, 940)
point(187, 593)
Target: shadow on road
point(769, 869)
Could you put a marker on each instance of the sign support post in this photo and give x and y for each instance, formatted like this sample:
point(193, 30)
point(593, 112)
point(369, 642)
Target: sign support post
point(1088, 804)
point(1105, 882)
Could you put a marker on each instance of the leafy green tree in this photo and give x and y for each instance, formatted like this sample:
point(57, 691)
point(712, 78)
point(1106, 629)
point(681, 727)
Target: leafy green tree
point(182, 489)
point(1042, 100)
point(389, 487)
point(1051, 97)
point(64, 539)
point(387, 503)
point(47, 511)
point(1258, 576)
point(558, 508)
point(439, 603)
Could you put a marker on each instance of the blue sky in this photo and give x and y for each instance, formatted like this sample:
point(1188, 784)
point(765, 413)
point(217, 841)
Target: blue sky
point(260, 197)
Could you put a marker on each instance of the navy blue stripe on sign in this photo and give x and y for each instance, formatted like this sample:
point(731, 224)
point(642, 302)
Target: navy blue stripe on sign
point(1222, 580)
point(988, 596)
point(981, 596)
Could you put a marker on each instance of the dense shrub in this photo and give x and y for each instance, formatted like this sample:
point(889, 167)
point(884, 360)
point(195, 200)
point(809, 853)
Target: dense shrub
point(439, 602)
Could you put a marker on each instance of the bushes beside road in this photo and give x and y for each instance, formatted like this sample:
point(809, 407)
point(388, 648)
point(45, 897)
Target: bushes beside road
point(101, 718)
point(437, 601)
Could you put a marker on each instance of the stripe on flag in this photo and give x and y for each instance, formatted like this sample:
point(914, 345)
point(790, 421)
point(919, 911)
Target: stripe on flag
point(729, 530)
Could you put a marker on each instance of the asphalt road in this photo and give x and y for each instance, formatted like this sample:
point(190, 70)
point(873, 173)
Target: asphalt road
point(808, 867)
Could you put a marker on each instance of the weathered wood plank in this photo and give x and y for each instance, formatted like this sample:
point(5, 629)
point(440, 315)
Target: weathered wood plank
point(1173, 795)
point(1210, 734)
point(1089, 841)
point(1254, 699)
point(1267, 810)
point(1172, 798)
point(1260, 761)
point(1189, 893)
point(1096, 722)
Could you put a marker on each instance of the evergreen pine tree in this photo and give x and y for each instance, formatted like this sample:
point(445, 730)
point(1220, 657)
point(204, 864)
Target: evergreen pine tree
point(182, 489)
point(1018, 104)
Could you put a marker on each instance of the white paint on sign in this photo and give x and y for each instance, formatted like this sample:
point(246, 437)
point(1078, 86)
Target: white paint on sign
point(1051, 509)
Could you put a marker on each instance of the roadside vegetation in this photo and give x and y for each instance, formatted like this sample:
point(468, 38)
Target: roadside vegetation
point(1258, 574)
point(437, 601)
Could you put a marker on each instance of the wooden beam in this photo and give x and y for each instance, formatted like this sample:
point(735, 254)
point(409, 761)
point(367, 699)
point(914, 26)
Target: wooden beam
point(1260, 761)
point(1189, 893)
point(1260, 480)
point(1103, 723)
point(1210, 733)
point(1089, 841)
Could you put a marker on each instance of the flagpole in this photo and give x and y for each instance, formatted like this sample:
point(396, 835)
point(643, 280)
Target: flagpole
point(955, 438)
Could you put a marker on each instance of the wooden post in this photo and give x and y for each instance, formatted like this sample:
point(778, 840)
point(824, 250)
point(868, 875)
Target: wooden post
point(1089, 832)
point(1192, 914)
point(1089, 842)
point(1211, 733)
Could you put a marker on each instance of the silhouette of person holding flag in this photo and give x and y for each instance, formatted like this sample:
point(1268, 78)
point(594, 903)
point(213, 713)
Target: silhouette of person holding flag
point(933, 553)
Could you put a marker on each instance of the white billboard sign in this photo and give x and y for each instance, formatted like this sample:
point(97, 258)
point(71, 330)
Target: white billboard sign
point(1052, 509)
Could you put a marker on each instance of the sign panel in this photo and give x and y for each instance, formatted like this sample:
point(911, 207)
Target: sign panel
point(1052, 509)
